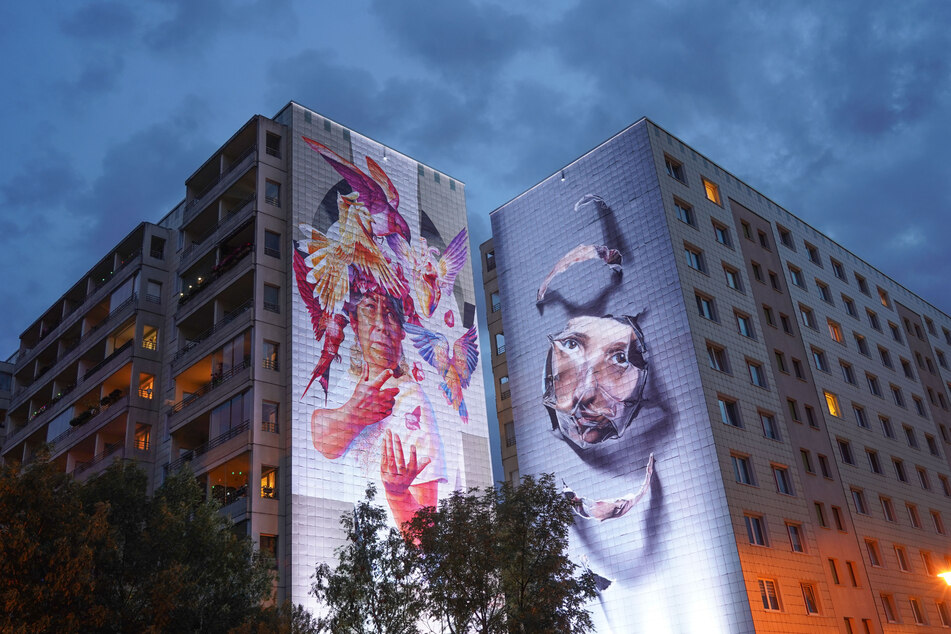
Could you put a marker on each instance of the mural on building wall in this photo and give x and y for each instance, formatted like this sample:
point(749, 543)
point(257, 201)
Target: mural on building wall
point(395, 356)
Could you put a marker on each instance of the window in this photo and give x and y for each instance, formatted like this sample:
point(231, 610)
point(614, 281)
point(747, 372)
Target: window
point(808, 318)
point(848, 620)
point(269, 482)
point(272, 298)
point(887, 427)
point(774, 282)
point(902, 557)
point(796, 541)
point(820, 514)
point(770, 429)
point(157, 247)
point(785, 238)
point(499, 343)
point(744, 325)
point(837, 517)
point(268, 545)
point(793, 409)
point(757, 376)
point(768, 316)
point(706, 308)
point(722, 234)
point(490, 260)
point(813, 254)
point(849, 306)
point(832, 403)
point(787, 325)
point(269, 411)
point(684, 212)
point(896, 332)
point(809, 597)
point(272, 244)
point(858, 498)
point(694, 258)
point(496, 300)
point(780, 361)
point(942, 360)
point(824, 466)
point(811, 416)
point(769, 593)
point(883, 297)
point(945, 485)
point(910, 436)
point(873, 320)
point(510, 439)
point(797, 369)
point(845, 451)
point(888, 607)
point(143, 438)
point(923, 478)
point(717, 357)
point(885, 356)
point(824, 293)
point(874, 556)
point(835, 331)
point(756, 530)
point(783, 481)
point(850, 566)
point(860, 417)
point(943, 613)
point(837, 269)
point(795, 274)
point(873, 385)
point(504, 391)
point(916, 611)
point(743, 470)
point(819, 358)
point(848, 375)
point(675, 169)
point(906, 368)
point(272, 144)
point(834, 570)
point(272, 193)
point(913, 518)
point(919, 406)
point(712, 191)
point(757, 271)
point(862, 284)
point(150, 338)
point(271, 349)
point(888, 510)
point(733, 279)
point(898, 396)
point(873, 462)
point(729, 412)
point(763, 240)
point(861, 344)
point(806, 460)
point(900, 469)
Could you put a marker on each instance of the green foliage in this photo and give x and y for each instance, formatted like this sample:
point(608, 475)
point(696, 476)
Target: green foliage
point(104, 556)
point(374, 588)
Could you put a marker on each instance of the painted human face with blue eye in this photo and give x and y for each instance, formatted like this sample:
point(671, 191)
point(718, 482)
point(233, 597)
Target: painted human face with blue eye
point(594, 381)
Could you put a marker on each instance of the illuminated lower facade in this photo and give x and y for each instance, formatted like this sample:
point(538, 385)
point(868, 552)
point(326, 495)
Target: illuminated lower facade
point(280, 332)
point(752, 421)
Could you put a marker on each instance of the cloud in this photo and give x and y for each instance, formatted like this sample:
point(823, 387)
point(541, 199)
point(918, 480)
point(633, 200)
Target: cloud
point(100, 21)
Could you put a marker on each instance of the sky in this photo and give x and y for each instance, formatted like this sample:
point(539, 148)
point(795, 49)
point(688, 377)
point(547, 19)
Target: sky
point(840, 112)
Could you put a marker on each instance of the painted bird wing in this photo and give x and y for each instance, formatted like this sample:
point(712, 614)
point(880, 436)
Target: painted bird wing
point(465, 355)
point(306, 290)
point(384, 182)
point(371, 194)
point(432, 346)
point(454, 258)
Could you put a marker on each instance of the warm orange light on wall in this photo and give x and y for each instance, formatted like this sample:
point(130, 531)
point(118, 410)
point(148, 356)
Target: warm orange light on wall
point(946, 576)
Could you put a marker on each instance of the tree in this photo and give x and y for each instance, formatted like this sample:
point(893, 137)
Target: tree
point(374, 588)
point(496, 561)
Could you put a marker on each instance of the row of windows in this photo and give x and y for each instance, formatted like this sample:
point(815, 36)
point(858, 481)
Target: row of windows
point(675, 169)
point(730, 415)
point(848, 457)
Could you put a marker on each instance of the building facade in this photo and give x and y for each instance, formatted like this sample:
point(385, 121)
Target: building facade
point(280, 332)
point(751, 420)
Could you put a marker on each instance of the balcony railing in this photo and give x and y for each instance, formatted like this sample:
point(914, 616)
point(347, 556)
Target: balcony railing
point(496, 307)
point(238, 211)
point(115, 353)
point(190, 205)
point(208, 387)
point(272, 307)
point(500, 349)
point(217, 441)
point(228, 317)
point(270, 364)
point(270, 426)
point(509, 442)
point(505, 395)
point(227, 263)
point(106, 452)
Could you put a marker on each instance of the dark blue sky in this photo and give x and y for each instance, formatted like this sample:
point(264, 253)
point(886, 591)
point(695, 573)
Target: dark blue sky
point(841, 112)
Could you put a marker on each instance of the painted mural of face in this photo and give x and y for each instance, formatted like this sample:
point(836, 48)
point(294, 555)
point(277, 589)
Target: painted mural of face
point(595, 377)
point(379, 332)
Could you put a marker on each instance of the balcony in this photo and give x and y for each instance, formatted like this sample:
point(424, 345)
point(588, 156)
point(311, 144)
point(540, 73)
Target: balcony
point(217, 381)
point(200, 450)
point(223, 226)
point(106, 452)
point(220, 183)
point(227, 263)
point(194, 342)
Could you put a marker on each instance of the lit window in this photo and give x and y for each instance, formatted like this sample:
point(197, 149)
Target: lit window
point(835, 331)
point(756, 530)
point(146, 386)
point(783, 481)
point(271, 350)
point(150, 338)
point(742, 470)
point(729, 412)
point(796, 541)
point(269, 482)
point(769, 594)
point(712, 191)
point(809, 597)
point(675, 169)
point(269, 412)
point(684, 212)
point(883, 297)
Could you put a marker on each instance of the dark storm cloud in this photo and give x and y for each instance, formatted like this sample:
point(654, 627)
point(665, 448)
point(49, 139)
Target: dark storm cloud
point(190, 27)
point(45, 179)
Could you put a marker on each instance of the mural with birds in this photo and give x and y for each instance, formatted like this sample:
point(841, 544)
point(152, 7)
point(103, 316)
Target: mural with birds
point(456, 369)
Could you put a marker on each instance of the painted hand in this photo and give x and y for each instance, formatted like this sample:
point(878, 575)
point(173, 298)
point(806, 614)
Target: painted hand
point(397, 473)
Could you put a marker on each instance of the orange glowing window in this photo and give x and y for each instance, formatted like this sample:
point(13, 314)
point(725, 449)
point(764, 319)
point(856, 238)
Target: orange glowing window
point(712, 191)
point(832, 403)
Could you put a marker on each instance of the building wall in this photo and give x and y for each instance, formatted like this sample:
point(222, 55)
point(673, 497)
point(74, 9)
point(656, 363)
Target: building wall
point(440, 403)
point(679, 538)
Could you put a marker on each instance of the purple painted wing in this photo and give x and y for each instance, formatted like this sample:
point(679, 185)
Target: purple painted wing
point(371, 194)
point(432, 346)
point(465, 355)
point(454, 258)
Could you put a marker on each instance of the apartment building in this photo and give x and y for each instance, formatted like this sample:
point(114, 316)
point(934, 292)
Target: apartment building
point(232, 336)
point(752, 420)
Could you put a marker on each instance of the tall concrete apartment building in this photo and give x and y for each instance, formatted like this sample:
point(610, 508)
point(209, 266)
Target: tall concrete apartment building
point(752, 421)
point(306, 262)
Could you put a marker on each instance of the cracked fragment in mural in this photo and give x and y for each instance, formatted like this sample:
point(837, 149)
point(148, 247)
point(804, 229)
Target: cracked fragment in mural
point(595, 377)
point(433, 275)
point(581, 253)
point(456, 371)
point(609, 509)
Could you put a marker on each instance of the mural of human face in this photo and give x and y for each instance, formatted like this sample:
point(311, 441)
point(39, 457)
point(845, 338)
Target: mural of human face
point(596, 375)
point(379, 332)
